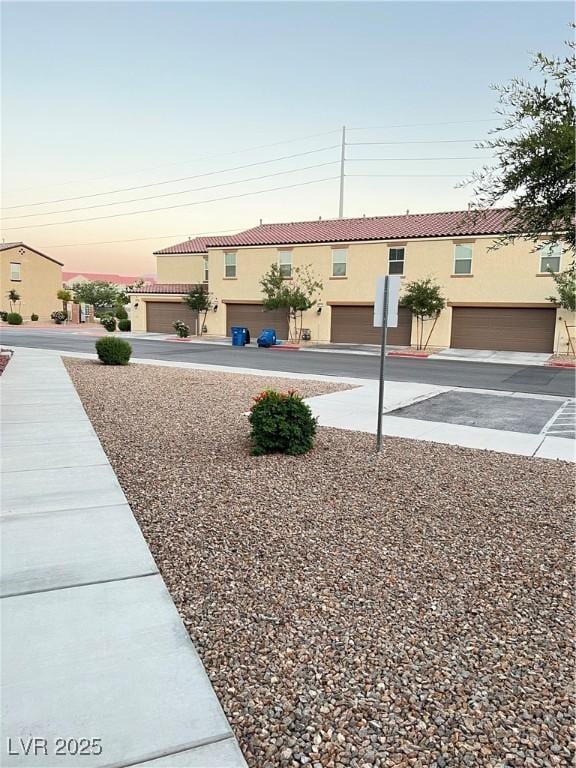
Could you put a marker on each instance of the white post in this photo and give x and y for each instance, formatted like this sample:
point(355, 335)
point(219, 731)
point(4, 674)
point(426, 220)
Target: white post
point(342, 159)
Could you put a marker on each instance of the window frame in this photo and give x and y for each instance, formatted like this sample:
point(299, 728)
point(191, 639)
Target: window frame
point(19, 271)
point(550, 251)
point(205, 269)
point(401, 261)
point(457, 259)
point(233, 266)
point(289, 264)
point(345, 262)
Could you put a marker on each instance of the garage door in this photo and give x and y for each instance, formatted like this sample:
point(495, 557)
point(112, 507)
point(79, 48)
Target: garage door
point(253, 317)
point(355, 325)
point(509, 329)
point(160, 315)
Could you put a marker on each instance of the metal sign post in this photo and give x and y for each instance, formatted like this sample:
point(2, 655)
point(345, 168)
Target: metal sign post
point(382, 363)
point(385, 315)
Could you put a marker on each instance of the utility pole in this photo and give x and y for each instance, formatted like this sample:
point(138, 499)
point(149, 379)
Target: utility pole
point(342, 159)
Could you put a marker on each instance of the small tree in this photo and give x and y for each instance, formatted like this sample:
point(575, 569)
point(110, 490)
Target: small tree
point(13, 298)
point(566, 287)
point(201, 302)
point(100, 294)
point(425, 301)
point(295, 296)
point(65, 296)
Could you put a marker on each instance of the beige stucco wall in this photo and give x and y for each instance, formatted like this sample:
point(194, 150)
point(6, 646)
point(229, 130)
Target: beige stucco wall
point(41, 280)
point(137, 311)
point(507, 275)
point(181, 268)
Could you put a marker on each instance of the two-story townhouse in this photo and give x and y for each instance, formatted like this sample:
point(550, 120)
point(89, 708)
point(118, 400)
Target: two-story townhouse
point(497, 298)
point(34, 276)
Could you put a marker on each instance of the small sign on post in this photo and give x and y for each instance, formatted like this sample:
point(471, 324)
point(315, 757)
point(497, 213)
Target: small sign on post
point(385, 316)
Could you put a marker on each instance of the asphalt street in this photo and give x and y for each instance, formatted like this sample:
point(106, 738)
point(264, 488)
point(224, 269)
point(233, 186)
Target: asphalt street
point(498, 376)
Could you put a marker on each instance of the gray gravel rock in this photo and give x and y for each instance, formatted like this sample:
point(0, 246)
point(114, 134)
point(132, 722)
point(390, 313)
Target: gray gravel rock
point(412, 608)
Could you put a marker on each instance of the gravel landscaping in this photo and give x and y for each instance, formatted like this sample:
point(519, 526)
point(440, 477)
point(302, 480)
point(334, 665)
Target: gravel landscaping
point(412, 608)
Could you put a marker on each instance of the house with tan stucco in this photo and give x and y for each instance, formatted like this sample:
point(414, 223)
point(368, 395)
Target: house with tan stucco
point(36, 278)
point(497, 298)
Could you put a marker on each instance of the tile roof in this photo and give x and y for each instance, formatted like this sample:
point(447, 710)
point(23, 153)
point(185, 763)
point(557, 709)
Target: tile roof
point(417, 225)
point(195, 245)
point(171, 288)
point(106, 277)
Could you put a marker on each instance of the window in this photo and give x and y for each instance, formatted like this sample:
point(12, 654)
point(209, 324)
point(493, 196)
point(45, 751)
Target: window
point(463, 260)
point(230, 264)
point(339, 262)
point(285, 263)
point(15, 270)
point(205, 270)
point(550, 256)
point(396, 261)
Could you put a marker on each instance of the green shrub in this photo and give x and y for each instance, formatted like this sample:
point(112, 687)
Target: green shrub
point(34, 317)
point(281, 423)
point(124, 325)
point(182, 330)
point(14, 318)
point(121, 313)
point(108, 322)
point(113, 351)
point(59, 316)
point(3, 315)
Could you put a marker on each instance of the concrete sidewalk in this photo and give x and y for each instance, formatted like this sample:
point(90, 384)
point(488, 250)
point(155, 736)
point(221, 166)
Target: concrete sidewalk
point(97, 667)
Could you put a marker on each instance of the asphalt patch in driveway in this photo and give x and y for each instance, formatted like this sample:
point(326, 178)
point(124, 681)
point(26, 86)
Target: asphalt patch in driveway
point(513, 414)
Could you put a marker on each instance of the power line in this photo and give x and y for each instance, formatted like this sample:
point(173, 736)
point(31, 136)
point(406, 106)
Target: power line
point(169, 207)
point(173, 181)
point(170, 194)
point(431, 141)
point(424, 125)
point(404, 159)
point(405, 175)
point(141, 239)
point(185, 162)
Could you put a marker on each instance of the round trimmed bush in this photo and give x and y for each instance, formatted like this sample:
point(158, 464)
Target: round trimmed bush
point(34, 317)
point(281, 423)
point(14, 318)
point(121, 313)
point(113, 351)
point(3, 315)
point(124, 325)
point(182, 330)
point(108, 322)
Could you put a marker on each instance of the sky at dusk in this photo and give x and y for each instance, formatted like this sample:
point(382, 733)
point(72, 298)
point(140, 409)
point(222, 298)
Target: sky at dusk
point(127, 108)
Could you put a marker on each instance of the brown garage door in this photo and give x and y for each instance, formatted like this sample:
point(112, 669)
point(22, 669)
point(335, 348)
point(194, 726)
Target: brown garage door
point(160, 315)
point(510, 329)
point(253, 317)
point(355, 325)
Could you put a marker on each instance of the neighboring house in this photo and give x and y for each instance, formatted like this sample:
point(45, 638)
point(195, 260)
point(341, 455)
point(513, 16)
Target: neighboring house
point(36, 277)
point(497, 299)
point(122, 281)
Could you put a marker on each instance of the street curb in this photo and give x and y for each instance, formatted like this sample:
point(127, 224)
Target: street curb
point(416, 354)
point(560, 364)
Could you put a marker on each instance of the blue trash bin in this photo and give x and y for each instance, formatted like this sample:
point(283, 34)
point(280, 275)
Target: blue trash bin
point(267, 338)
point(238, 336)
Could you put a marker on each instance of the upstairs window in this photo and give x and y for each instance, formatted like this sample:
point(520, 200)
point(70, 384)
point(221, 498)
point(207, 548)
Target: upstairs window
point(285, 263)
point(396, 261)
point(550, 257)
point(463, 259)
point(339, 262)
point(230, 264)
point(15, 271)
point(205, 270)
